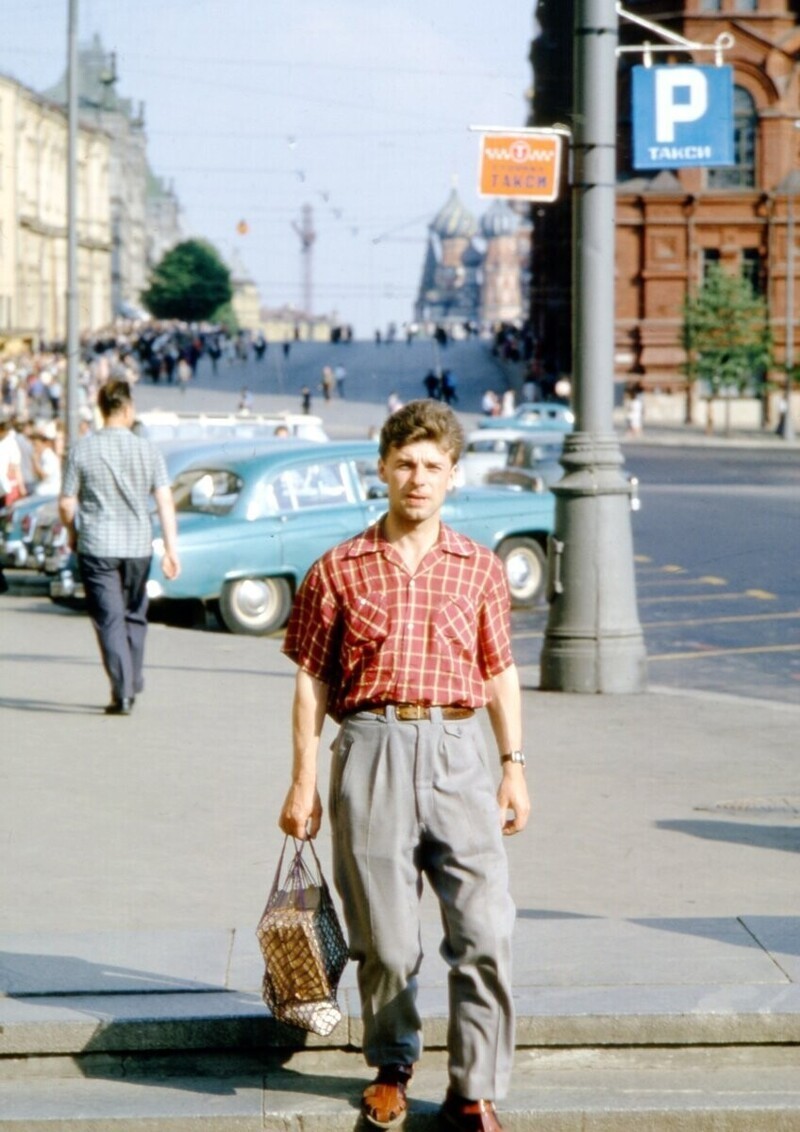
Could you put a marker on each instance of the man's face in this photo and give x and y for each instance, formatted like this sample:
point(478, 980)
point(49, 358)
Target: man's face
point(418, 477)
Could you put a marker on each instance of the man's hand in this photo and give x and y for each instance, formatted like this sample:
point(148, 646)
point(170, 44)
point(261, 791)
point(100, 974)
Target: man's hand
point(171, 565)
point(301, 815)
point(512, 795)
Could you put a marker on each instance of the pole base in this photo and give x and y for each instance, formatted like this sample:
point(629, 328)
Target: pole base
point(594, 666)
point(593, 641)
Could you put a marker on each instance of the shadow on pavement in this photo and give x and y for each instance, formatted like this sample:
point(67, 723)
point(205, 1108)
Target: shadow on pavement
point(217, 1050)
point(773, 934)
point(784, 837)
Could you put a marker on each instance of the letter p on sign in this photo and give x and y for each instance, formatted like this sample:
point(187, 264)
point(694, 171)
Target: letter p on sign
point(682, 116)
point(681, 96)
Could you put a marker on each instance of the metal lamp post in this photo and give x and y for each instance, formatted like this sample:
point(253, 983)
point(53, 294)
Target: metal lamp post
point(593, 641)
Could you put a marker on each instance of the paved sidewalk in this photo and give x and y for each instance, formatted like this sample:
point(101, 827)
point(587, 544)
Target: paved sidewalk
point(656, 885)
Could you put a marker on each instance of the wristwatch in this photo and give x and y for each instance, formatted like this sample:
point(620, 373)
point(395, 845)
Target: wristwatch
point(514, 757)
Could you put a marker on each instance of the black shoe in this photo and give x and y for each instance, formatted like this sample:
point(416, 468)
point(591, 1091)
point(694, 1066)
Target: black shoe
point(120, 707)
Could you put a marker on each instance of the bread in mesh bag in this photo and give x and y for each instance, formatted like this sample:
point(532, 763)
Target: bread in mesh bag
point(304, 948)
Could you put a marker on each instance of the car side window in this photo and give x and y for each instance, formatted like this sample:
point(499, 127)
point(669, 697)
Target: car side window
point(516, 456)
point(263, 502)
point(315, 485)
point(372, 487)
point(212, 491)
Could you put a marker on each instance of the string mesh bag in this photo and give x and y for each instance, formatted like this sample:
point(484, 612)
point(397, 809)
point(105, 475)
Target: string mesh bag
point(303, 946)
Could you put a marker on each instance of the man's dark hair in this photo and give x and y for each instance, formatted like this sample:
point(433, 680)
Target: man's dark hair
point(113, 397)
point(423, 420)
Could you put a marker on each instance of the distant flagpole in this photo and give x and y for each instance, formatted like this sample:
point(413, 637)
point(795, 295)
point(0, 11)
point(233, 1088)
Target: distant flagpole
point(73, 343)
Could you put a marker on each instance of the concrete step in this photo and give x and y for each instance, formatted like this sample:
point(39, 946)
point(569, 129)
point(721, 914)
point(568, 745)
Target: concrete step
point(716, 1089)
point(47, 1025)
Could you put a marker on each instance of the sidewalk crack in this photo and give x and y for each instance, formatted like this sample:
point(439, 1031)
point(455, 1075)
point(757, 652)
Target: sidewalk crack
point(766, 951)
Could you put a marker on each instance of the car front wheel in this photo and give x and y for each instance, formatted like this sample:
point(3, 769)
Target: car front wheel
point(255, 606)
point(525, 565)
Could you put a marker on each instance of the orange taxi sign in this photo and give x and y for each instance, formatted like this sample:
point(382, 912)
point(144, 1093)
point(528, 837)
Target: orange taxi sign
point(523, 166)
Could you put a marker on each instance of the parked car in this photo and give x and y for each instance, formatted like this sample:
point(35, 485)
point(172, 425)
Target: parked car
point(536, 415)
point(249, 529)
point(484, 451)
point(532, 462)
point(52, 551)
point(17, 529)
point(163, 427)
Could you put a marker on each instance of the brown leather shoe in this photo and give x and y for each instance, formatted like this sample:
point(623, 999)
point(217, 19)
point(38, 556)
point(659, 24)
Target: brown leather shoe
point(469, 1116)
point(384, 1103)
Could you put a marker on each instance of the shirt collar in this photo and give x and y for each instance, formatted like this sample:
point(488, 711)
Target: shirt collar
point(372, 541)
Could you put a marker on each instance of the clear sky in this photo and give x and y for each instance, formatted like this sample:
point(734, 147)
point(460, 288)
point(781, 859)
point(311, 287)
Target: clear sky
point(254, 108)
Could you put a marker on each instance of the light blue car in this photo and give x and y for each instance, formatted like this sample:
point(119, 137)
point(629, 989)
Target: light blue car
point(250, 528)
point(539, 415)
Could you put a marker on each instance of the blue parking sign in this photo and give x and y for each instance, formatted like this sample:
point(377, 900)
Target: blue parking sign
point(682, 116)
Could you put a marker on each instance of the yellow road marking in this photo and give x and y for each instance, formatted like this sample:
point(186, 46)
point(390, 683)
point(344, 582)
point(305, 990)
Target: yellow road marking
point(721, 620)
point(689, 623)
point(761, 595)
point(706, 580)
point(724, 652)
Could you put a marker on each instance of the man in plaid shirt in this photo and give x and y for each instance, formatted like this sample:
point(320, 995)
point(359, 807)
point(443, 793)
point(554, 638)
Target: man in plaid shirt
point(400, 634)
point(108, 481)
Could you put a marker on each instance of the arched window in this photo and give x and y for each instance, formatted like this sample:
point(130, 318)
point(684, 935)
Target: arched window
point(742, 175)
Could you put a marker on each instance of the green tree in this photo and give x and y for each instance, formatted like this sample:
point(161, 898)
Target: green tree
point(190, 283)
point(726, 336)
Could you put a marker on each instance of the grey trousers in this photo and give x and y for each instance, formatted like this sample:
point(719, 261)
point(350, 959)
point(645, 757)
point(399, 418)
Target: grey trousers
point(409, 800)
point(116, 599)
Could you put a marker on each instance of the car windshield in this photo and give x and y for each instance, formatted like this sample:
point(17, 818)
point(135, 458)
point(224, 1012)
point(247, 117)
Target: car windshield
point(524, 455)
point(487, 444)
point(209, 491)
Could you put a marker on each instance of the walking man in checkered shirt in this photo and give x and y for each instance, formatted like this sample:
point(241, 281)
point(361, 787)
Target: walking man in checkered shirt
point(108, 481)
point(401, 634)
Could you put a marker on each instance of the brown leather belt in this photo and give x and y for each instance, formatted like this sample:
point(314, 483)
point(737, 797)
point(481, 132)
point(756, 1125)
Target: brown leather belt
point(411, 712)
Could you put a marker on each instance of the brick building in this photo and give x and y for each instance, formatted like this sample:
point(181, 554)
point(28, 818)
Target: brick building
point(671, 226)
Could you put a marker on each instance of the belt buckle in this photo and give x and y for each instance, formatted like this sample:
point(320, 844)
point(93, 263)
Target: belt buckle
point(411, 712)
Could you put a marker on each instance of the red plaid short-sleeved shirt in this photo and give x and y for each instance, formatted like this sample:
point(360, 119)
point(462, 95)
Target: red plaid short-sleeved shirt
point(374, 633)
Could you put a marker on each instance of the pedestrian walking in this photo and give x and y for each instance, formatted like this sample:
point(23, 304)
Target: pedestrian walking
point(109, 478)
point(11, 485)
point(401, 634)
point(449, 391)
point(327, 383)
point(184, 373)
point(433, 385)
point(340, 373)
point(305, 399)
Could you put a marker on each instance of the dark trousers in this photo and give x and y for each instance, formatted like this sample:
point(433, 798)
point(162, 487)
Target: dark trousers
point(117, 602)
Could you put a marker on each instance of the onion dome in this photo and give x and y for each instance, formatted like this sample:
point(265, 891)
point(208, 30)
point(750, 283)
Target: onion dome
point(499, 220)
point(453, 220)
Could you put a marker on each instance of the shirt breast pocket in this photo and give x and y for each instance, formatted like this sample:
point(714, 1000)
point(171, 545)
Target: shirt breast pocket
point(454, 628)
point(366, 623)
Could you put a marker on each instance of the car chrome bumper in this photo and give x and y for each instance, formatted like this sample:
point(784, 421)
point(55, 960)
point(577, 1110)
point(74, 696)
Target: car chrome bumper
point(14, 554)
point(65, 585)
